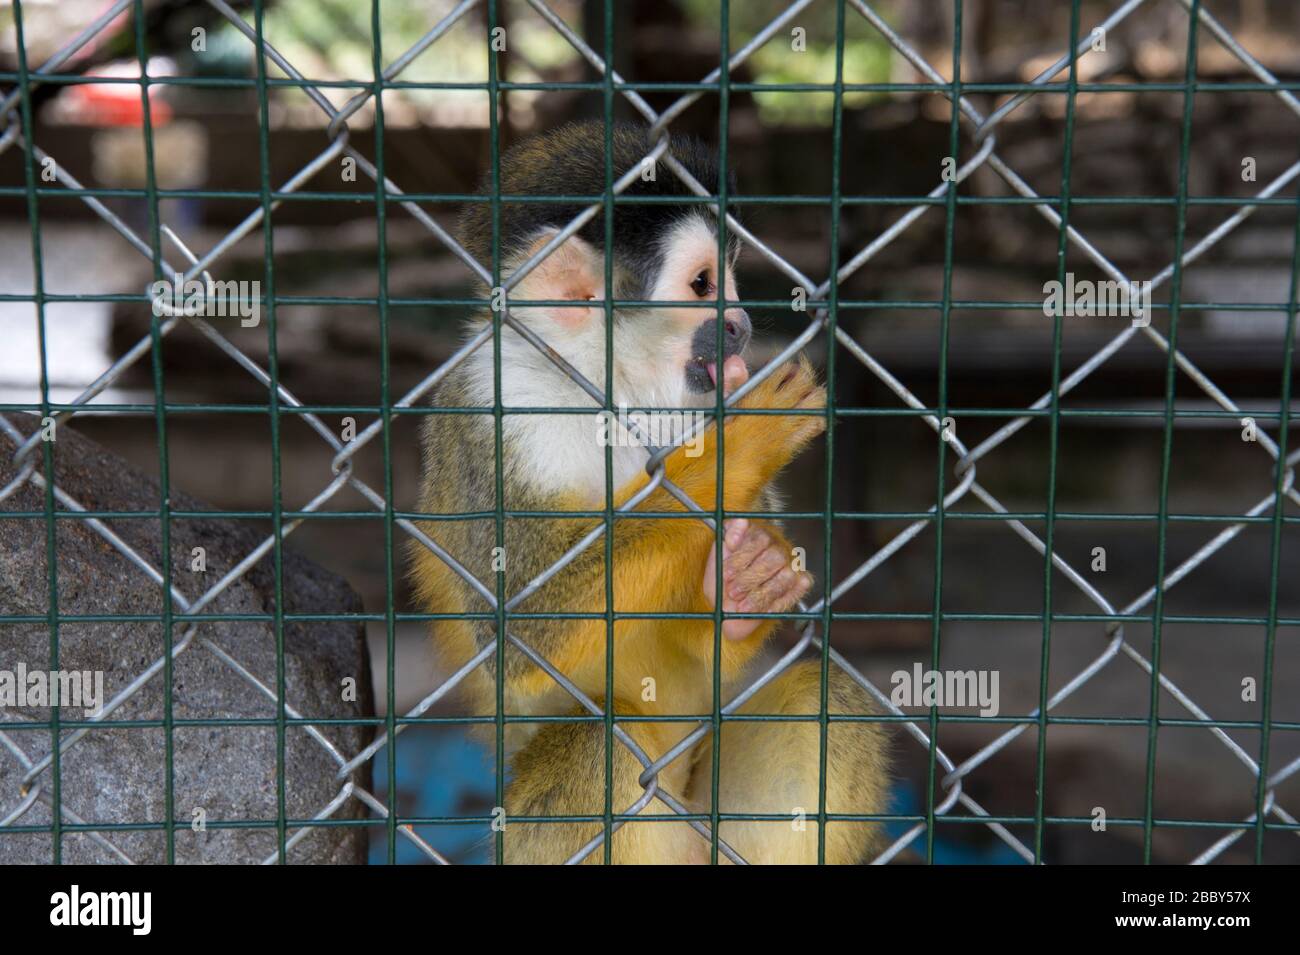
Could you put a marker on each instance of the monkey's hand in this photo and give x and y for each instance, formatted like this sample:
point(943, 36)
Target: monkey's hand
point(779, 437)
point(757, 446)
point(757, 558)
point(758, 575)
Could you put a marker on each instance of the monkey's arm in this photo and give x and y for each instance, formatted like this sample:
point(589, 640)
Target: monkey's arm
point(657, 562)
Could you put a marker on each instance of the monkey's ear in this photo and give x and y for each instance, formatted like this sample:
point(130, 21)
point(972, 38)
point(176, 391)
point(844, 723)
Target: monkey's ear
point(573, 271)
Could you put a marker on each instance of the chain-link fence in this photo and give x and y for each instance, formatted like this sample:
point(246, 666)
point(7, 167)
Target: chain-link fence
point(973, 145)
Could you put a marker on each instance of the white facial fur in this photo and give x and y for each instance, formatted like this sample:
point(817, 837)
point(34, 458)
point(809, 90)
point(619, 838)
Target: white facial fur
point(562, 454)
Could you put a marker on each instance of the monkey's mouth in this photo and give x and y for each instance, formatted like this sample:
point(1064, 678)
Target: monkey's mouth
point(698, 378)
point(702, 374)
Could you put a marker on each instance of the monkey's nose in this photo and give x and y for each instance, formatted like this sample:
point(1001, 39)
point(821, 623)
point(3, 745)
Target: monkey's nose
point(738, 329)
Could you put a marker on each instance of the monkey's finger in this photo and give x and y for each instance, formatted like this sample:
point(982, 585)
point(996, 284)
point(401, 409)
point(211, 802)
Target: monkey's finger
point(759, 597)
point(733, 532)
point(770, 561)
point(754, 541)
point(778, 593)
point(734, 374)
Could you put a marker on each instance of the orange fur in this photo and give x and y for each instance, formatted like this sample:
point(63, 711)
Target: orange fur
point(657, 567)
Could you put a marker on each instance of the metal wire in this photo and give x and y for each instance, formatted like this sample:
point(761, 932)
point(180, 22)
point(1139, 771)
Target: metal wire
point(40, 779)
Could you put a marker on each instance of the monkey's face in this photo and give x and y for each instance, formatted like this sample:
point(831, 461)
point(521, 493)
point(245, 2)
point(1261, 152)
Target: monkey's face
point(665, 355)
point(678, 344)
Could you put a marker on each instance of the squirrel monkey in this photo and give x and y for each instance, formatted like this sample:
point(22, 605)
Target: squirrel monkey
point(663, 357)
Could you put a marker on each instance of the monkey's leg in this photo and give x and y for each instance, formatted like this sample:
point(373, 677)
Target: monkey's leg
point(773, 767)
point(561, 772)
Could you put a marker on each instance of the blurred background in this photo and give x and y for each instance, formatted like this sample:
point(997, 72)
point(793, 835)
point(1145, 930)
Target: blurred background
point(435, 142)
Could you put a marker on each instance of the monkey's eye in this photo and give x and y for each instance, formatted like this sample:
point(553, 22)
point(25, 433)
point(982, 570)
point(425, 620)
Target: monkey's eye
point(701, 285)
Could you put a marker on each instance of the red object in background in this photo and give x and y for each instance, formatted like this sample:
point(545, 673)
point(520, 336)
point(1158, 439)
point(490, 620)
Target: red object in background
point(114, 104)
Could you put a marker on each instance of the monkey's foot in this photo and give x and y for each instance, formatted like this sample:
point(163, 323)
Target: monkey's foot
point(758, 576)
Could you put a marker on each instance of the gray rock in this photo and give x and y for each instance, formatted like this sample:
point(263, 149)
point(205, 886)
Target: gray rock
point(117, 775)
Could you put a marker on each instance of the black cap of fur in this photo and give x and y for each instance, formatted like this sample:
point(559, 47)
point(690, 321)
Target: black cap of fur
point(570, 160)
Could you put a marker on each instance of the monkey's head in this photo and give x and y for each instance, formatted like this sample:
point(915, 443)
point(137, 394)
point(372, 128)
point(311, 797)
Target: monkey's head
point(662, 252)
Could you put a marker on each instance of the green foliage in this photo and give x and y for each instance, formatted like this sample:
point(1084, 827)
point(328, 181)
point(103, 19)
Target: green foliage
point(867, 57)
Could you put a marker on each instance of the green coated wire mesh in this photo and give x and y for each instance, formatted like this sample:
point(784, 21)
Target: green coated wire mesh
point(971, 146)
